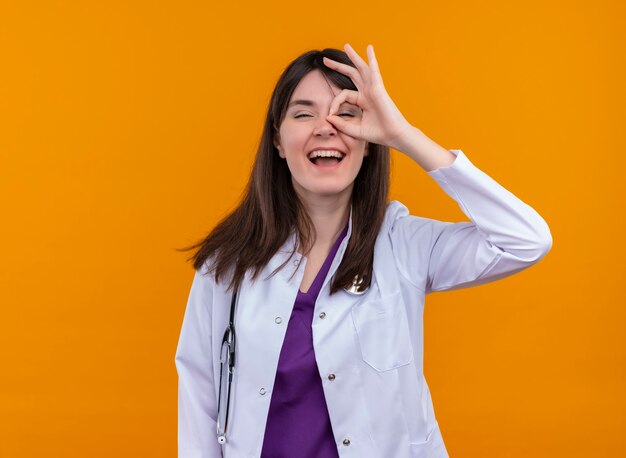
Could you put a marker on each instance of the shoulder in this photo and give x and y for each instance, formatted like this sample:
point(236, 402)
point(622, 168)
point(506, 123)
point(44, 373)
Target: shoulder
point(205, 269)
point(395, 210)
point(400, 223)
point(204, 276)
point(410, 239)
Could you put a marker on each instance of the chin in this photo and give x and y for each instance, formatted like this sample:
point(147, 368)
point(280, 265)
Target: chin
point(329, 191)
point(323, 188)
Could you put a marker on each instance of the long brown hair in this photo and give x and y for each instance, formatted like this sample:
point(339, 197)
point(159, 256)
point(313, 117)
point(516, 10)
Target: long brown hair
point(270, 209)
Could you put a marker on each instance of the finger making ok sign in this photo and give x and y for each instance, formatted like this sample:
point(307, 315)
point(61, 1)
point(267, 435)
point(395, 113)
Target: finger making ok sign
point(381, 121)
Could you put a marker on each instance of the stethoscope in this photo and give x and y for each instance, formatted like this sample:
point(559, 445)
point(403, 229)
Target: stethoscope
point(227, 357)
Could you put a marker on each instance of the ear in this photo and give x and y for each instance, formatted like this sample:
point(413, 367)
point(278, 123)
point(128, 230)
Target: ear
point(281, 153)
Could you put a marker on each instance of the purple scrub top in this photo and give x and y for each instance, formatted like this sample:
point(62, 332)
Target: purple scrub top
point(298, 424)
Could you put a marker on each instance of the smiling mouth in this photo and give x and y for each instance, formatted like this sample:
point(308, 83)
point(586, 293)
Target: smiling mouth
point(326, 158)
point(326, 161)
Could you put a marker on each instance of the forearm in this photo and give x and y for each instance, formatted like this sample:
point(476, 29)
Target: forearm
point(428, 154)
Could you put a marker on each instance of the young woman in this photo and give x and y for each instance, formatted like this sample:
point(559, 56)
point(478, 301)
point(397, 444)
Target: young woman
point(303, 333)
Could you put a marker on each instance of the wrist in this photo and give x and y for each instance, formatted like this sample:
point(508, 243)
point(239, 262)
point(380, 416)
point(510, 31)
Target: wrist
point(419, 147)
point(406, 141)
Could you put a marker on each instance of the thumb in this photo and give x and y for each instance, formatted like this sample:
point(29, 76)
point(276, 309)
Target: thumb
point(343, 125)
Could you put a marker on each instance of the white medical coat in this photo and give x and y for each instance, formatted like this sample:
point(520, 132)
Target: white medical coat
point(378, 400)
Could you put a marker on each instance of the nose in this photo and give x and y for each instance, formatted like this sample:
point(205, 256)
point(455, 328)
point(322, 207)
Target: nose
point(324, 128)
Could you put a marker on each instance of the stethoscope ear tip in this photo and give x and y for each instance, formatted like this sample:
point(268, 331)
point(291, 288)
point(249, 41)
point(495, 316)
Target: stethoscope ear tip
point(221, 439)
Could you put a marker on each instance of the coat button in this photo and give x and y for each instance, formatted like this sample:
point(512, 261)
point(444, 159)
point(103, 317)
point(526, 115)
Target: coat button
point(322, 315)
point(346, 442)
point(278, 320)
point(296, 262)
point(262, 391)
point(331, 377)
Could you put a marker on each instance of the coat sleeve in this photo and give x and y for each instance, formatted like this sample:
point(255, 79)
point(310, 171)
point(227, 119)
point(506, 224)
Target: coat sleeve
point(505, 235)
point(197, 403)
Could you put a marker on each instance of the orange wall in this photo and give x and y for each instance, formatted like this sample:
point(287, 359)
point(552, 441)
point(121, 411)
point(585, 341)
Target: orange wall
point(128, 129)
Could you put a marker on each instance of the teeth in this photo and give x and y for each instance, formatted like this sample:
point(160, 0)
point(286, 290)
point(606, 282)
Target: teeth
point(325, 153)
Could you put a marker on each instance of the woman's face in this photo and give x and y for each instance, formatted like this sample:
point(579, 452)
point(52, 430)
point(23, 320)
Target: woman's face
point(306, 128)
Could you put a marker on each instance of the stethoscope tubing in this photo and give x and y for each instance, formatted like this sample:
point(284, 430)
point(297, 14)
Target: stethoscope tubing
point(229, 340)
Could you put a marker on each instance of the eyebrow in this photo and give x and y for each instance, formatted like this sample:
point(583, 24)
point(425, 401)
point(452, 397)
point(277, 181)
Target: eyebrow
point(309, 103)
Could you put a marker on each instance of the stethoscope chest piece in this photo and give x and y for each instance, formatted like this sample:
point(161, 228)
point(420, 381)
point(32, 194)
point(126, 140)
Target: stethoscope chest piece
point(355, 288)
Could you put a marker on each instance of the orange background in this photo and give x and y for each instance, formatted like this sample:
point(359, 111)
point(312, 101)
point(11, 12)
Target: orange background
point(128, 129)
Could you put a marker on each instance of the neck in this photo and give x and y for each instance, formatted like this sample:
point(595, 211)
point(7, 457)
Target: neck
point(329, 214)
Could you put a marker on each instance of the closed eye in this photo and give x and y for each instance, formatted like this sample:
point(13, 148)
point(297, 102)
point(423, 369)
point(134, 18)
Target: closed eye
point(342, 114)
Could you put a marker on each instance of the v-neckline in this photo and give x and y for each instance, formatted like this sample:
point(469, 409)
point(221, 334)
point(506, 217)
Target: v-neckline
point(314, 279)
point(324, 267)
